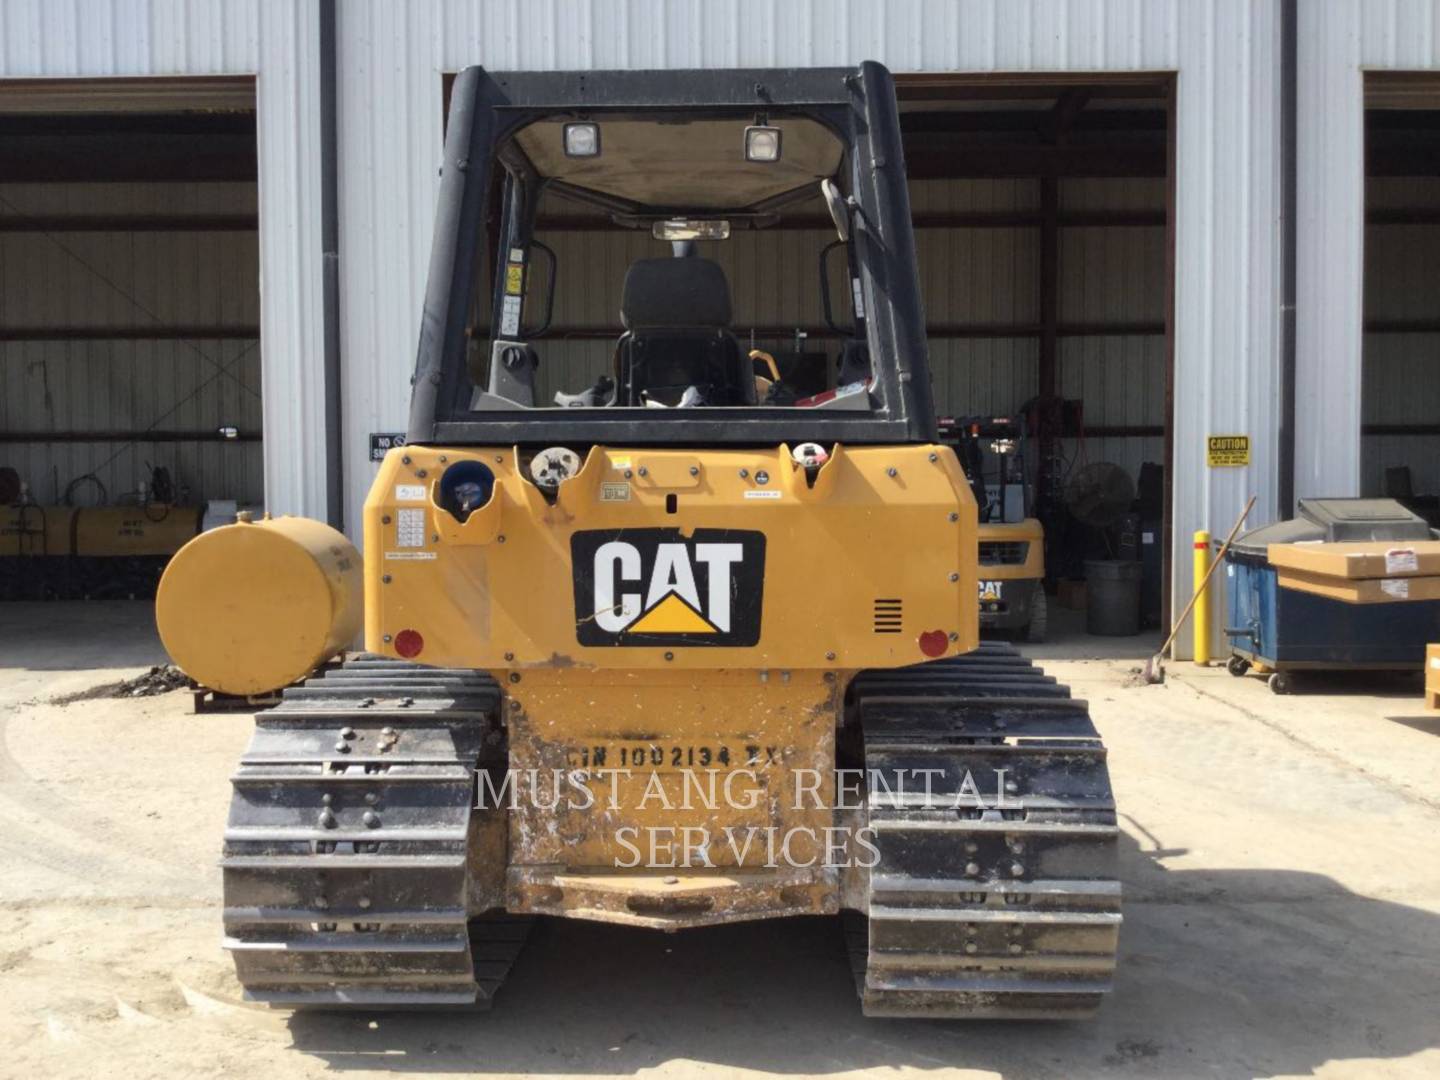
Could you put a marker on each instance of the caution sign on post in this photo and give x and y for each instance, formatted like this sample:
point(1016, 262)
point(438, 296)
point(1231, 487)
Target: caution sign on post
point(1223, 451)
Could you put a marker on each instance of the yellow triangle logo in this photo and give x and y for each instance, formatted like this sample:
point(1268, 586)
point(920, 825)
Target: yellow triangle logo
point(671, 616)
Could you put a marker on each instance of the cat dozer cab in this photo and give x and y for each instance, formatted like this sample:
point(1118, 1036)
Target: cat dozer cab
point(658, 634)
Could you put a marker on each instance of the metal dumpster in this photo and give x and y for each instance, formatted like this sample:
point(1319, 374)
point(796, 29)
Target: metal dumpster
point(1279, 630)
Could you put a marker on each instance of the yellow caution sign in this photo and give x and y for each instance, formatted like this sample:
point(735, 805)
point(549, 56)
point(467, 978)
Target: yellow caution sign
point(1224, 451)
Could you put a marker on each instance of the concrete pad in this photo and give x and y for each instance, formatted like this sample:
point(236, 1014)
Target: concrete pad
point(1280, 861)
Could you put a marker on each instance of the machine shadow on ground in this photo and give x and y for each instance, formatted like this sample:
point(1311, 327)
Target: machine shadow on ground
point(1222, 973)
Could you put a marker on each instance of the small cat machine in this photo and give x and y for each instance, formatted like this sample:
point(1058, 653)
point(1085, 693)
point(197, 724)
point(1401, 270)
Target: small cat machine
point(1011, 585)
point(688, 573)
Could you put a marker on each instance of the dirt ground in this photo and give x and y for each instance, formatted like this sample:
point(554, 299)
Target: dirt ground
point(1282, 889)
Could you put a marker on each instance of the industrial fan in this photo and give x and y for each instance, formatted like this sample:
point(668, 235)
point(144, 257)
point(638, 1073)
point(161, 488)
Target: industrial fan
point(1097, 494)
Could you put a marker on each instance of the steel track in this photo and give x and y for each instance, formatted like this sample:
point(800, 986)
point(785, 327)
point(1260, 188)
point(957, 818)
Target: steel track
point(1001, 905)
point(346, 874)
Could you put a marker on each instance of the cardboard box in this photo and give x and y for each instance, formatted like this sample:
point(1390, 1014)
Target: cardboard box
point(1361, 591)
point(1361, 561)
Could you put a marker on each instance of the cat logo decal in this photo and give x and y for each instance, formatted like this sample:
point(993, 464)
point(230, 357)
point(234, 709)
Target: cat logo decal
point(656, 587)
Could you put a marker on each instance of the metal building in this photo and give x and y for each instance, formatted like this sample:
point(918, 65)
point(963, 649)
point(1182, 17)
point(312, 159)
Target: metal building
point(1151, 284)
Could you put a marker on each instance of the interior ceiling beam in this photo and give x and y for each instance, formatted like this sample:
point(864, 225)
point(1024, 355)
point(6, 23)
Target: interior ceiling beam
point(1402, 143)
point(135, 156)
point(1386, 122)
point(1400, 429)
point(190, 93)
point(141, 436)
point(1020, 160)
point(129, 333)
point(1402, 90)
point(955, 86)
point(1395, 160)
point(1120, 431)
point(29, 223)
point(1038, 122)
point(73, 124)
point(1402, 326)
point(1418, 215)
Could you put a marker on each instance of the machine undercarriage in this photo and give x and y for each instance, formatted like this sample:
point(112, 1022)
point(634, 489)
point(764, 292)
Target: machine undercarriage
point(360, 871)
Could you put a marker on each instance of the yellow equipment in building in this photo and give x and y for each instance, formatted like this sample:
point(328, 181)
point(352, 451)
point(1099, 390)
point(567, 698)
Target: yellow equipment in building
point(1012, 577)
point(687, 649)
point(1011, 583)
point(92, 551)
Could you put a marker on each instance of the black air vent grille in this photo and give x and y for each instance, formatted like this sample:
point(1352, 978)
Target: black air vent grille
point(888, 616)
point(1004, 552)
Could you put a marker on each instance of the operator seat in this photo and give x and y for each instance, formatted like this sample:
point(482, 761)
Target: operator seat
point(676, 314)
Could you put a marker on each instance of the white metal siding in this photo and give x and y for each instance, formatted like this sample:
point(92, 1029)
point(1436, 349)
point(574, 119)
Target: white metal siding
point(1226, 53)
point(278, 39)
point(1339, 41)
point(1331, 224)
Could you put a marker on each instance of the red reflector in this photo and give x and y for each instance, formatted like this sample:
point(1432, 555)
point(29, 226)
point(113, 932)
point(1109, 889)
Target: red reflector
point(408, 643)
point(933, 642)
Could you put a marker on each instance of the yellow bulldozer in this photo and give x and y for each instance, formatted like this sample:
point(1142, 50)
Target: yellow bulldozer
point(692, 642)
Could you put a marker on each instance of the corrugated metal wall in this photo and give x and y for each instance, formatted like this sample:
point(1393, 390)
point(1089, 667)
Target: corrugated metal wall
point(279, 40)
point(1339, 41)
point(1227, 52)
point(977, 275)
point(1401, 371)
point(1114, 274)
point(130, 281)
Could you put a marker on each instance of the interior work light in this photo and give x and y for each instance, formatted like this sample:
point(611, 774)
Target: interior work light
point(582, 140)
point(762, 143)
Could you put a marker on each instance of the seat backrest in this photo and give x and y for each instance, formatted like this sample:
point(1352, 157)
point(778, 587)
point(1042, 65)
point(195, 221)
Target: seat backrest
point(689, 293)
point(677, 314)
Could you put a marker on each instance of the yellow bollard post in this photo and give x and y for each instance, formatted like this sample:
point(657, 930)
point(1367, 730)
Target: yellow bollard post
point(1201, 622)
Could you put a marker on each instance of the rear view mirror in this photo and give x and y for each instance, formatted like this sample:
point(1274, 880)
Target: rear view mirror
point(835, 203)
point(688, 229)
point(839, 275)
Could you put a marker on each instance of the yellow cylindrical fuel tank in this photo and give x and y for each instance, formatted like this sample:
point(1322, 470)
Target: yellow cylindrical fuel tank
point(254, 606)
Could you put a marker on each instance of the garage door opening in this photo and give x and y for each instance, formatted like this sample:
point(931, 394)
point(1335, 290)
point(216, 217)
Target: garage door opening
point(1400, 356)
point(129, 327)
point(1043, 217)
